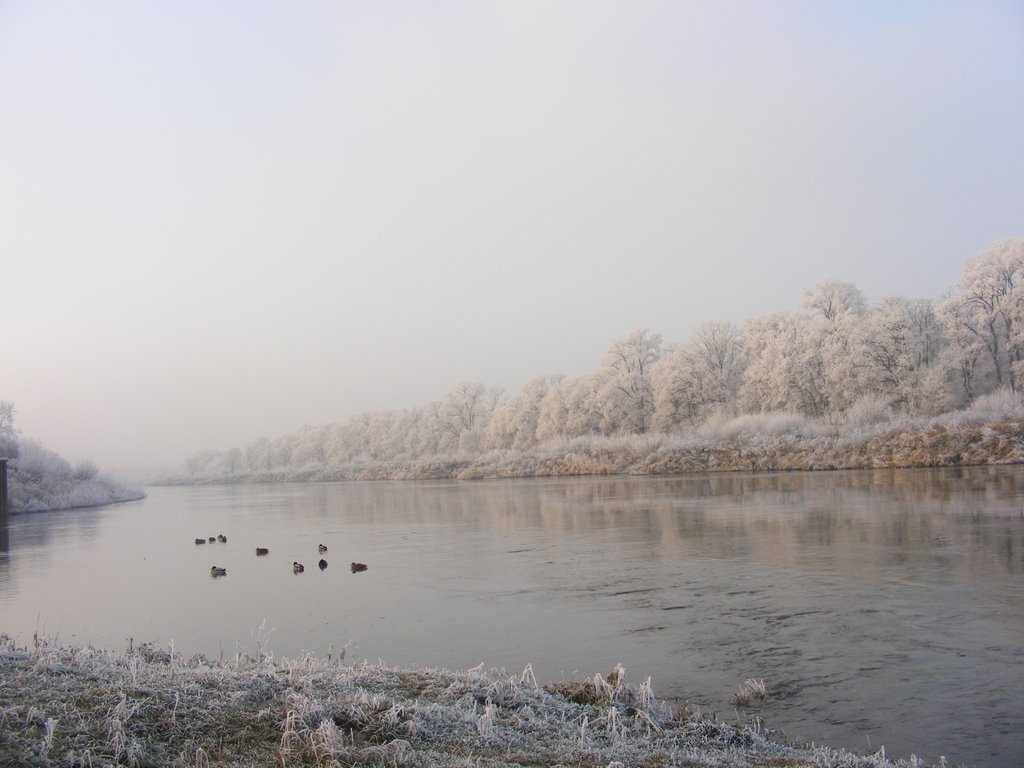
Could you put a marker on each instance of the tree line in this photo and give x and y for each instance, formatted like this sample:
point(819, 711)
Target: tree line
point(835, 358)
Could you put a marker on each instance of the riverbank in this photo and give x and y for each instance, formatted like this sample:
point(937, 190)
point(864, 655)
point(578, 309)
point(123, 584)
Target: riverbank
point(763, 447)
point(62, 706)
point(30, 493)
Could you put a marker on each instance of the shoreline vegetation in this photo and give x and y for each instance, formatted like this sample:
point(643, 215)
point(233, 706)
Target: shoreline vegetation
point(41, 495)
point(40, 480)
point(761, 443)
point(67, 706)
point(838, 383)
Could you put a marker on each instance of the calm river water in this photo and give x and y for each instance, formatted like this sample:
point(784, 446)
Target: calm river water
point(880, 608)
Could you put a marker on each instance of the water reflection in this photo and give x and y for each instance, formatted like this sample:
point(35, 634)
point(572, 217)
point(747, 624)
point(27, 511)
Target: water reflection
point(905, 518)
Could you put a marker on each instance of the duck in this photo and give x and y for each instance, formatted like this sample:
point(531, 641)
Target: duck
point(322, 547)
point(356, 567)
point(322, 564)
point(262, 551)
point(212, 539)
point(216, 571)
point(222, 538)
point(298, 567)
point(200, 541)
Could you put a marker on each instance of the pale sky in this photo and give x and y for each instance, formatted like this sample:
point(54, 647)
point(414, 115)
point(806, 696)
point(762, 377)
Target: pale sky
point(225, 220)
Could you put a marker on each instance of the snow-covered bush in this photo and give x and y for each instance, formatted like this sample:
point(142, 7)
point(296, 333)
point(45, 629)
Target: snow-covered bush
point(867, 411)
point(999, 406)
point(86, 470)
point(36, 461)
point(41, 480)
point(750, 424)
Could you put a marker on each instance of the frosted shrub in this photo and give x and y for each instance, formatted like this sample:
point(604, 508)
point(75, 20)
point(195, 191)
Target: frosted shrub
point(869, 416)
point(46, 482)
point(36, 461)
point(86, 470)
point(867, 412)
point(1001, 405)
point(753, 424)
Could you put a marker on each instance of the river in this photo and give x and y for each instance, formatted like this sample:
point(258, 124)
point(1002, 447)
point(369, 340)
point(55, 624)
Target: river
point(880, 608)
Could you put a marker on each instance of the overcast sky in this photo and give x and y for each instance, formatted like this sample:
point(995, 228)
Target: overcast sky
point(223, 220)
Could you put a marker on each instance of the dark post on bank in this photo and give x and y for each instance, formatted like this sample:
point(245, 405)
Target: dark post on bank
point(3, 489)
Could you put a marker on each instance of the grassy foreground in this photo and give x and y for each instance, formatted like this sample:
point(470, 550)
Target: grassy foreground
point(62, 706)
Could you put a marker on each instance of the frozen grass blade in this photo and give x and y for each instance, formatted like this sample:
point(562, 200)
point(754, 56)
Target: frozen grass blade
point(50, 728)
point(750, 690)
point(741, 698)
point(757, 689)
point(289, 736)
point(327, 741)
point(122, 743)
point(643, 720)
point(602, 689)
point(527, 678)
point(645, 696)
point(485, 725)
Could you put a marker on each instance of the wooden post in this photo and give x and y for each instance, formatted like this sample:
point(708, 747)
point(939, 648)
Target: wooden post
point(3, 490)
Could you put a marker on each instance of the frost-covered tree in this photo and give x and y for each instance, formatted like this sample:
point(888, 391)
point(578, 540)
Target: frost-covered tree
point(986, 311)
point(887, 351)
point(677, 393)
point(570, 409)
point(308, 446)
point(626, 396)
point(257, 455)
point(205, 463)
point(926, 330)
point(837, 352)
point(460, 419)
point(232, 461)
point(515, 420)
point(698, 378)
point(964, 357)
point(398, 434)
point(842, 306)
point(8, 434)
point(464, 406)
point(417, 434)
point(788, 368)
point(833, 300)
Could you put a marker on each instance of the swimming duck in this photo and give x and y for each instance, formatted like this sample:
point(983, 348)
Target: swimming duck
point(262, 551)
point(322, 564)
point(216, 571)
point(356, 567)
point(298, 567)
point(322, 548)
point(212, 539)
point(222, 538)
point(200, 541)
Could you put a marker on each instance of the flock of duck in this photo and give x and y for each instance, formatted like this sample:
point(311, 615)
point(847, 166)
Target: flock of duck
point(297, 567)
